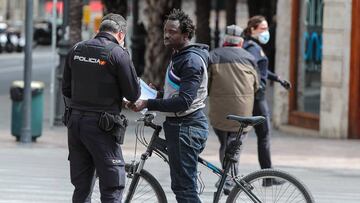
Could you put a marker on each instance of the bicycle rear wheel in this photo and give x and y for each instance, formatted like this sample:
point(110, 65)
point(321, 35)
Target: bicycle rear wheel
point(292, 190)
point(147, 190)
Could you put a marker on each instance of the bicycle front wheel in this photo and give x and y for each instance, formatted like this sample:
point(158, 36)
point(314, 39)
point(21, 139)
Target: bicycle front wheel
point(264, 188)
point(148, 188)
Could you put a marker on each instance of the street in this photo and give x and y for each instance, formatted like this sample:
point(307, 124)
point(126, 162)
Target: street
point(12, 67)
point(39, 172)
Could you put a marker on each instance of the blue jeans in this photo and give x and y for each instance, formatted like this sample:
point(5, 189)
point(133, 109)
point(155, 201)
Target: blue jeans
point(185, 138)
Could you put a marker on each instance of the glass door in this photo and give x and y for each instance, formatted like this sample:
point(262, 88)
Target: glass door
point(310, 55)
point(306, 57)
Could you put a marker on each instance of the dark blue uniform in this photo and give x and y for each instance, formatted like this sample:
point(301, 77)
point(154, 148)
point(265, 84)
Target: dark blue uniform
point(97, 75)
point(260, 105)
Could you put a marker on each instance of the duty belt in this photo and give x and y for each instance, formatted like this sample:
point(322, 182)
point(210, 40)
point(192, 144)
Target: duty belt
point(85, 113)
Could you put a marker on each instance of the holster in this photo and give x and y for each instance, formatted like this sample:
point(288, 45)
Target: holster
point(115, 125)
point(66, 116)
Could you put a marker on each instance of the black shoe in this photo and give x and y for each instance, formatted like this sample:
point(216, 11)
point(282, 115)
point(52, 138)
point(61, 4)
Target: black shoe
point(228, 186)
point(272, 181)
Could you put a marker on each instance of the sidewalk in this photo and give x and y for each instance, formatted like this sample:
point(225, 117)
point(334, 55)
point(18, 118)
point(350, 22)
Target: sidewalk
point(39, 172)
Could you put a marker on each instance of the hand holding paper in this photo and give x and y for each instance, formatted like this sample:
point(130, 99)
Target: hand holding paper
point(146, 93)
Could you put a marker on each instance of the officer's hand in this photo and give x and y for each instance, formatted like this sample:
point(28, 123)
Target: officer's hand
point(139, 105)
point(127, 104)
point(286, 84)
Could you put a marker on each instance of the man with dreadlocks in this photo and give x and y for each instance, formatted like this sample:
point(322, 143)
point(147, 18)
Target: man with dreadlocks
point(185, 89)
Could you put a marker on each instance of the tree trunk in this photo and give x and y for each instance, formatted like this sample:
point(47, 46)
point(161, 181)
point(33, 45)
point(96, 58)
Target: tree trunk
point(230, 7)
point(115, 6)
point(156, 55)
point(266, 8)
point(202, 22)
point(75, 21)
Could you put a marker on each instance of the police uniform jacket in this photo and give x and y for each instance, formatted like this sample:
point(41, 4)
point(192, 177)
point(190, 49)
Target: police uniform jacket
point(98, 74)
point(252, 45)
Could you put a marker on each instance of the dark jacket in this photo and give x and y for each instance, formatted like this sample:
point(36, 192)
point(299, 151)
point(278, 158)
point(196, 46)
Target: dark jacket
point(118, 68)
point(252, 45)
point(189, 68)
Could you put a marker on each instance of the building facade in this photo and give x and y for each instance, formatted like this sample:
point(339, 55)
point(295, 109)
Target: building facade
point(13, 11)
point(318, 43)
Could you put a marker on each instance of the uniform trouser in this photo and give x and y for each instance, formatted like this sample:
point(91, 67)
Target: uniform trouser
point(185, 138)
point(263, 133)
point(225, 138)
point(91, 149)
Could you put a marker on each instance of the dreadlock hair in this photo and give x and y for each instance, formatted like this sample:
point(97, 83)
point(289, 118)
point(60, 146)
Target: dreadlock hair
point(186, 24)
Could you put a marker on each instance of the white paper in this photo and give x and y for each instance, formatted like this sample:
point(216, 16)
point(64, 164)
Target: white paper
point(146, 91)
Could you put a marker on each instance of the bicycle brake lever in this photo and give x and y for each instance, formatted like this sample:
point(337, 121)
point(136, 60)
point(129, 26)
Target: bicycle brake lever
point(140, 119)
point(149, 117)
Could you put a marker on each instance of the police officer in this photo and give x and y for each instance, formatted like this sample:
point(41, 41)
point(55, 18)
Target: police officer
point(257, 33)
point(98, 74)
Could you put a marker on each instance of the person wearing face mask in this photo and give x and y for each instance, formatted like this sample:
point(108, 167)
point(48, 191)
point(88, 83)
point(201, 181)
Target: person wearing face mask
point(98, 74)
point(255, 34)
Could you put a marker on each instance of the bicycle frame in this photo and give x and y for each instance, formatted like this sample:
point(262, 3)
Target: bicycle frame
point(158, 145)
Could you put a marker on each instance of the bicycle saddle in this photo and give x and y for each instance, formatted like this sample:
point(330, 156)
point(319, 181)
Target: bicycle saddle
point(252, 121)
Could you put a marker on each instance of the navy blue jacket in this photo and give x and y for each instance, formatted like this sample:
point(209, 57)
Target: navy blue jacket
point(121, 66)
point(188, 67)
point(252, 46)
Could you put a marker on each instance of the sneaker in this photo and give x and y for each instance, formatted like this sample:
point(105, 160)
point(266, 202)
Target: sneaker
point(272, 181)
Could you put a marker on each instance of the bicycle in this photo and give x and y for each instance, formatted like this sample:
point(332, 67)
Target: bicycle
point(255, 187)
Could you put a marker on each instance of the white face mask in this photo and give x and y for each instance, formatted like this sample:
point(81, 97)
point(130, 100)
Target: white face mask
point(264, 37)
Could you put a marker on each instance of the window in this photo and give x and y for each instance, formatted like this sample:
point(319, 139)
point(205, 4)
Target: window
point(310, 56)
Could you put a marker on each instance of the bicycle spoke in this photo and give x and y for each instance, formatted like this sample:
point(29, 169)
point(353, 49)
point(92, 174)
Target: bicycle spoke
point(268, 192)
point(141, 192)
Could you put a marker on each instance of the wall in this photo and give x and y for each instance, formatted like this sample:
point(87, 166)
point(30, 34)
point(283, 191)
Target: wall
point(282, 66)
point(3, 9)
point(336, 67)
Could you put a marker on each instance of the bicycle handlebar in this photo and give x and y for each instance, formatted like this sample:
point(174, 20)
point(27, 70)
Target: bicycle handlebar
point(148, 120)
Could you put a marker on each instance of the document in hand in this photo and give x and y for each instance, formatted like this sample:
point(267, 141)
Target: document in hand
point(146, 91)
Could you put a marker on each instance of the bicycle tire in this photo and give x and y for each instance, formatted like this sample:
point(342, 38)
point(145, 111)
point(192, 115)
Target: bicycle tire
point(147, 190)
point(271, 193)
